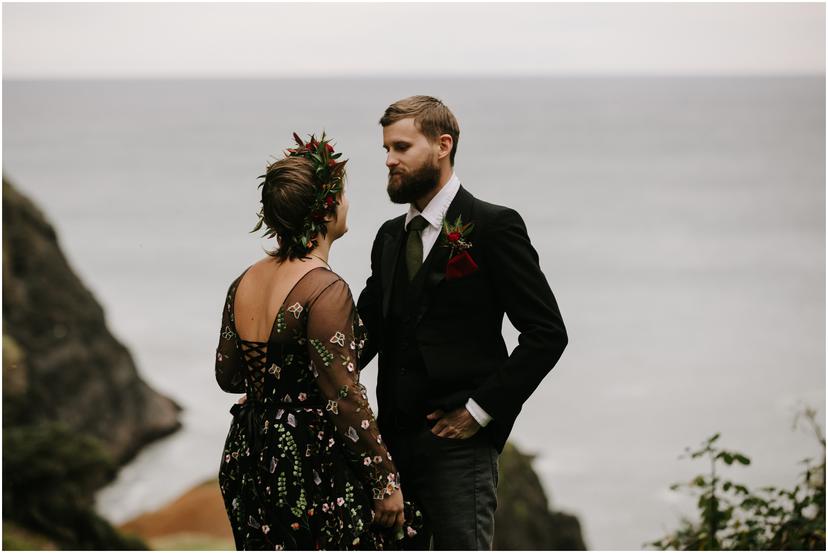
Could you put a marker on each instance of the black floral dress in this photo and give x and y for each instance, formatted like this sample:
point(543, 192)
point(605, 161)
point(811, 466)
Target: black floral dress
point(304, 459)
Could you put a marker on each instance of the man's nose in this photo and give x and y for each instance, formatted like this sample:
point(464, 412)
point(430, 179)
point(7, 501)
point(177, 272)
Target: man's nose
point(391, 161)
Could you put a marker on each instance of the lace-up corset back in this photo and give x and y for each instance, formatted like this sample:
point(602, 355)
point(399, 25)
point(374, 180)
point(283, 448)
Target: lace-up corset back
point(255, 358)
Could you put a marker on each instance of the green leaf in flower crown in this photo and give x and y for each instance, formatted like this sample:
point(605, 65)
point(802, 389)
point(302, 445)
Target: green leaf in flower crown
point(258, 225)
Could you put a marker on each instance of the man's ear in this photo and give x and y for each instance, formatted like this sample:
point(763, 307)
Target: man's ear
point(446, 144)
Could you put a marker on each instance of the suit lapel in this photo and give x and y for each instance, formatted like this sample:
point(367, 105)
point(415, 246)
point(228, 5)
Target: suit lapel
point(390, 252)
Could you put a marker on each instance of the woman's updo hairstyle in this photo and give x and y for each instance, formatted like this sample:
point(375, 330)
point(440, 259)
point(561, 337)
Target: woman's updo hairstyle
point(299, 192)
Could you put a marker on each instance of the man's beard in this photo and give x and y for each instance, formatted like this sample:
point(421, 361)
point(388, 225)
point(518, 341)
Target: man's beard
point(413, 186)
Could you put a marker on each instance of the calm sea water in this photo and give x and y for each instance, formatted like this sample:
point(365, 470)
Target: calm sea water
point(680, 222)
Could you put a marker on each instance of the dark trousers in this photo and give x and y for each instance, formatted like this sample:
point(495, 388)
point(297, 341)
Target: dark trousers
point(454, 482)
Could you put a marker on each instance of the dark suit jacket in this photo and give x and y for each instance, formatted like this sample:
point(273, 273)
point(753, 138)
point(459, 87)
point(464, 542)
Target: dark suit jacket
point(458, 322)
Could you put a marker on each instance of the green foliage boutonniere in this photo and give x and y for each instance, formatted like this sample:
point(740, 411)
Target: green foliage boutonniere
point(455, 236)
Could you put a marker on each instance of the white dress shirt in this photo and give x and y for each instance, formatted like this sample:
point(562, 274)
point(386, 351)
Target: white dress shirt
point(434, 213)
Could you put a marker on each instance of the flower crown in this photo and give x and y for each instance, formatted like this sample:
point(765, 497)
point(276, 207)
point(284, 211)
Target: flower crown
point(328, 173)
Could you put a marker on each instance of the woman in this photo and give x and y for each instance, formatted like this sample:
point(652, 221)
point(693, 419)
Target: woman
point(304, 465)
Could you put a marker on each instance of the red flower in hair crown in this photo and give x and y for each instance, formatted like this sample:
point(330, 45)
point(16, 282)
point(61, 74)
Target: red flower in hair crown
point(455, 236)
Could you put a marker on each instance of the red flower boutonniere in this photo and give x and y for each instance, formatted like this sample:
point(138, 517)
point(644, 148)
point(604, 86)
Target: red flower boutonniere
point(455, 236)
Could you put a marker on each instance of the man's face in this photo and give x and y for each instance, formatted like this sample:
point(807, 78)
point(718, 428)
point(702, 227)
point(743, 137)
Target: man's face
point(413, 170)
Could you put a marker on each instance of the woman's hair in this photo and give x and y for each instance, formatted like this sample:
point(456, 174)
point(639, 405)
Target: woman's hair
point(289, 192)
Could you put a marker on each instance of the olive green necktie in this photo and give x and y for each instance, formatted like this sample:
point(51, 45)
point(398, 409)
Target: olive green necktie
point(414, 245)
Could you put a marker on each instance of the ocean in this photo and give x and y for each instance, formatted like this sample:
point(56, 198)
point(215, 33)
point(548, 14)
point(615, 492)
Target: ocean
point(680, 222)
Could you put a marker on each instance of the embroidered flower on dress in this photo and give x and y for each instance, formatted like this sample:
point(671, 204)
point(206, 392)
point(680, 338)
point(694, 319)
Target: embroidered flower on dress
point(338, 338)
point(353, 434)
point(332, 407)
point(276, 370)
point(377, 459)
point(219, 357)
point(303, 396)
point(265, 528)
point(340, 501)
point(350, 367)
point(365, 424)
point(366, 461)
point(228, 334)
point(296, 309)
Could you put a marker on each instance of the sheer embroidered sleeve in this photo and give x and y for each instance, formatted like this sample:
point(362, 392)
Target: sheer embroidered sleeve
point(229, 360)
point(335, 338)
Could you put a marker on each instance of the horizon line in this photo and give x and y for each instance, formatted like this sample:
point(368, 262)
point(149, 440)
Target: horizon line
point(441, 76)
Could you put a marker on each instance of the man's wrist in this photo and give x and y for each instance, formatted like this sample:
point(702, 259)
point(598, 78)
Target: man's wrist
point(477, 412)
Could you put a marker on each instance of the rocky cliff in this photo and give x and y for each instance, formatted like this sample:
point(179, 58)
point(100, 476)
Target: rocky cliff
point(70, 368)
point(74, 406)
point(524, 519)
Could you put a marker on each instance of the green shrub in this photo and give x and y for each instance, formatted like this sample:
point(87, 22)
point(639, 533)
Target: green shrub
point(50, 474)
point(732, 517)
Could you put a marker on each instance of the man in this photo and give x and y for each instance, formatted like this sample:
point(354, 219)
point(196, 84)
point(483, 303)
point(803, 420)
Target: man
point(442, 277)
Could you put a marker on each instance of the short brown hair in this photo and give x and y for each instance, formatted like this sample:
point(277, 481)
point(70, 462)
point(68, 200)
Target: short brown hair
point(431, 117)
point(288, 194)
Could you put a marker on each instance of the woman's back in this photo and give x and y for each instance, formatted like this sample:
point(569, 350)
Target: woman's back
point(274, 343)
point(262, 291)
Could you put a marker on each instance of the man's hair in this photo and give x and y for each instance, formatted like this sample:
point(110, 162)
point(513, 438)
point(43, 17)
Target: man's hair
point(431, 117)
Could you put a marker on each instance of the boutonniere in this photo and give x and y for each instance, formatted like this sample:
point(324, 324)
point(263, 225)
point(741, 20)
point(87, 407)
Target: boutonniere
point(455, 236)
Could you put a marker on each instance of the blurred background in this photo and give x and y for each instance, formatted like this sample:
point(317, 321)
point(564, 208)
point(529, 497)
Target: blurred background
point(668, 159)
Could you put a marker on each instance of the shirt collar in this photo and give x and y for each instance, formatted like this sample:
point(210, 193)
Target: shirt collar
point(436, 209)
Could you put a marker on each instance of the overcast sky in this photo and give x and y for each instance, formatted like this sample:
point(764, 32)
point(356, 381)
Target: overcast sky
point(264, 40)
